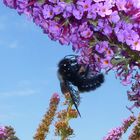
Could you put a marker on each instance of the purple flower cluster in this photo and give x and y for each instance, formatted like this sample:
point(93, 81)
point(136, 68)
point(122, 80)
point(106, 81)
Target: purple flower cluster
point(127, 122)
point(105, 33)
point(135, 134)
point(134, 94)
point(116, 133)
point(2, 132)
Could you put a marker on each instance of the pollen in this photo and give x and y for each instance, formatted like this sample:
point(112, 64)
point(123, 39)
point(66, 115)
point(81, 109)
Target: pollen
point(106, 62)
point(136, 43)
point(86, 6)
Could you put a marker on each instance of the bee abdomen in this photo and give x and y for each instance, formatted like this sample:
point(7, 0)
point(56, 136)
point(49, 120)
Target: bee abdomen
point(89, 84)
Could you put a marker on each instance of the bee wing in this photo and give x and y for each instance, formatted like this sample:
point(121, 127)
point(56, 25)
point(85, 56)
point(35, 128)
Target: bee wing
point(75, 97)
point(67, 87)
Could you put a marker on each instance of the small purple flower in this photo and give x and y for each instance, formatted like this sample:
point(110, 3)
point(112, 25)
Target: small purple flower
point(57, 9)
point(117, 27)
point(127, 79)
point(22, 7)
point(107, 30)
point(130, 37)
point(98, 0)
point(83, 27)
point(44, 25)
point(106, 63)
point(85, 56)
point(80, 44)
point(37, 14)
point(86, 33)
point(78, 13)
point(104, 10)
point(74, 38)
point(85, 4)
point(65, 36)
point(62, 5)
point(53, 1)
point(120, 36)
point(114, 17)
point(91, 14)
point(127, 26)
point(48, 11)
point(70, 7)
point(136, 3)
point(97, 58)
point(114, 134)
point(101, 23)
point(102, 47)
point(2, 132)
point(109, 53)
point(37, 9)
point(64, 40)
point(121, 5)
point(95, 8)
point(10, 3)
point(54, 29)
point(135, 45)
point(68, 10)
point(73, 29)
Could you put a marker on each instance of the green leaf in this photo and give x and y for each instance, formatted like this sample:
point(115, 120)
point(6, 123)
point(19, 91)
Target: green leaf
point(68, 1)
point(41, 1)
point(116, 61)
point(93, 22)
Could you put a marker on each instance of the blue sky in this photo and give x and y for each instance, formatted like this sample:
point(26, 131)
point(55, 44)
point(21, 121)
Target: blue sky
point(28, 65)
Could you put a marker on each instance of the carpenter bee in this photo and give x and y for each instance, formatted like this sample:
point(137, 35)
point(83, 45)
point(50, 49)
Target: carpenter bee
point(75, 78)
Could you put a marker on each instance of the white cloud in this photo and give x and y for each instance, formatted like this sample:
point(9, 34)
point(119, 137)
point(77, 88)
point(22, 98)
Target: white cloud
point(13, 45)
point(7, 116)
point(2, 26)
point(3, 22)
point(20, 93)
point(11, 115)
point(24, 83)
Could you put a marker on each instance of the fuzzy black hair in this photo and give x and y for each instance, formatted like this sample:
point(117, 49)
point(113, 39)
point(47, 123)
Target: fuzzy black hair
point(71, 73)
point(69, 70)
point(91, 83)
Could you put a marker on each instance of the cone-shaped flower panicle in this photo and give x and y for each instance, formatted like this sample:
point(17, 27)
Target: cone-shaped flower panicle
point(128, 122)
point(116, 133)
point(2, 133)
point(10, 133)
point(62, 127)
point(43, 128)
point(135, 135)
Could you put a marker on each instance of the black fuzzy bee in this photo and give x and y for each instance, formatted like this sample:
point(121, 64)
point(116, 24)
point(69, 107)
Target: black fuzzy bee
point(74, 75)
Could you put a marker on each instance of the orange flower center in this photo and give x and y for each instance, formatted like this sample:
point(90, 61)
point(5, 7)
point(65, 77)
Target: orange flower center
point(86, 6)
point(106, 62)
